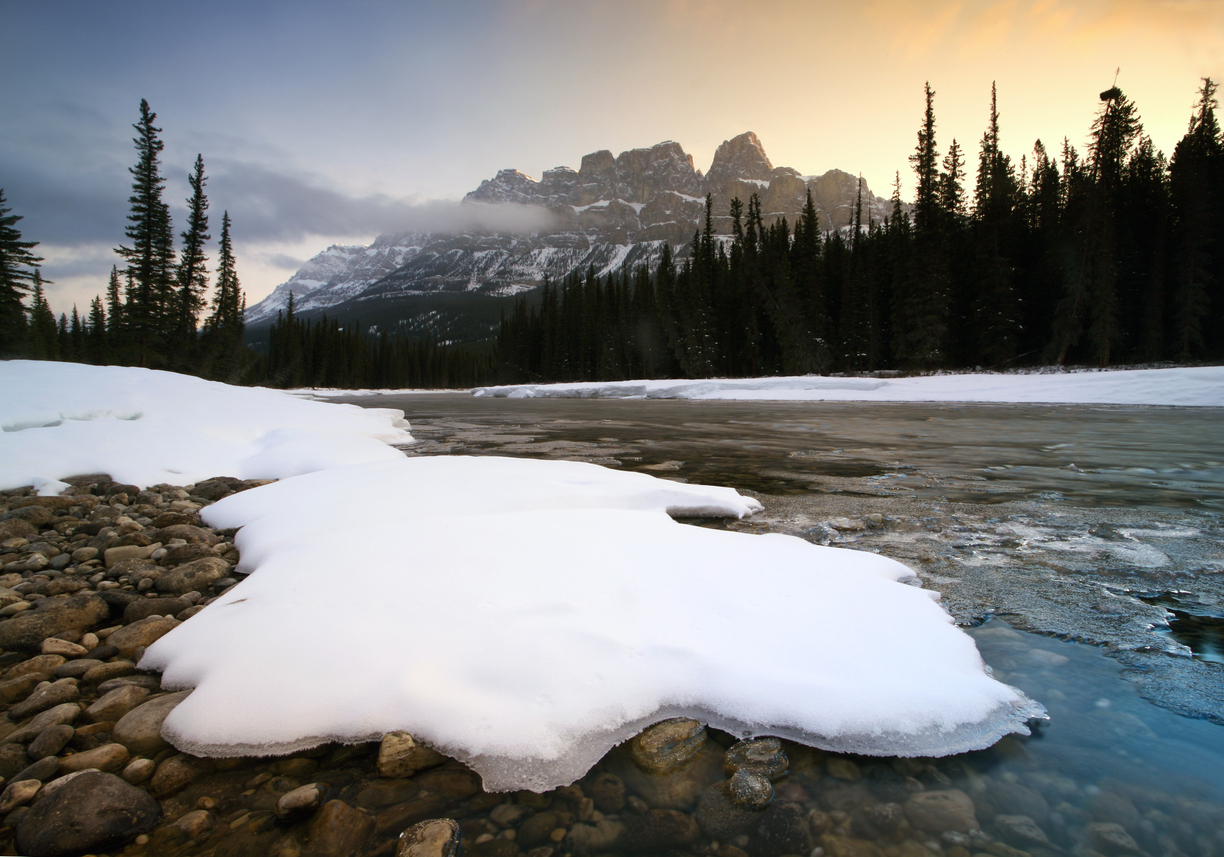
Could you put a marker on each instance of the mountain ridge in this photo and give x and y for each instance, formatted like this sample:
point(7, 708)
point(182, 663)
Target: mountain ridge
point(611, 212)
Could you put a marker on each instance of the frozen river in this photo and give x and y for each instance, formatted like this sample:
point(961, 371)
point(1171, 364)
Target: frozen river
point(1093, 524)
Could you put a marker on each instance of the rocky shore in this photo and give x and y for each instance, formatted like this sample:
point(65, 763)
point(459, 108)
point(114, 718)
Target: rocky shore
point(90, 578)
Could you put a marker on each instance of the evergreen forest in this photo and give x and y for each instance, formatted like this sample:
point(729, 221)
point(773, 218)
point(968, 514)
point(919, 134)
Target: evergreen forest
point(1110, 257)
point(1114, 256)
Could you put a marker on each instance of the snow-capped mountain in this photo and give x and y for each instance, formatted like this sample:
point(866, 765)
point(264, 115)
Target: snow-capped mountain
point(610, 213)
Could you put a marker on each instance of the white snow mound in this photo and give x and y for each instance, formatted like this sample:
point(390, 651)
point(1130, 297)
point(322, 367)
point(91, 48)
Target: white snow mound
point(145, 427)
point(525, 616)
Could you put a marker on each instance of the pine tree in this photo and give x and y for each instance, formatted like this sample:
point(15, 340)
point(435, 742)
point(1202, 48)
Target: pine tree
point(44, 333)
point(18, 270)
point(225, 326)
point(150, 257)
point(192, 276)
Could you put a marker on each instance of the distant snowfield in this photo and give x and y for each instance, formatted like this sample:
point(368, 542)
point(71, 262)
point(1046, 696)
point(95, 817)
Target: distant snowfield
point(1195, 387)
point(523, 616)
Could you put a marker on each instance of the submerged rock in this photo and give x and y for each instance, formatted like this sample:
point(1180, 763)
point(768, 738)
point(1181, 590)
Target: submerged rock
point(94, 811)
point(438, 837)
point(763, 756)
point(667, 745)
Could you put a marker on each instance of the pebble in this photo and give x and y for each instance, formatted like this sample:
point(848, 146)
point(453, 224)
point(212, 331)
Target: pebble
point(438, 837)
point(764, 756)
point(667, 745)
point(401, 755)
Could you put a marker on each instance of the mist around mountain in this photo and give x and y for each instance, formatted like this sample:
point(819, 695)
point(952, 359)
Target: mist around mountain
point(613, 212)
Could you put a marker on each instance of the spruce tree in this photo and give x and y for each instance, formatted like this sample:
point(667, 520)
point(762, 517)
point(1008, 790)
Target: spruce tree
point(192, 276)
point(150, 256)
point(44, 333)
point(18, 270)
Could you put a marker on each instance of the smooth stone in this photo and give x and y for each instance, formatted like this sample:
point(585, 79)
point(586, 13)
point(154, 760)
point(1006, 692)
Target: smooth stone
point(719, 816)
point(678, 788)
point(43, 666)
point(65, 713)
point(189, 533)
point(50, 617)
point(173, 775)
point(140, 729)
point(937, 811)
point(1111, 839)
point(44, 769)
point(146, 607)
point(401, 755)
point(338, 828)
point(196, 824)
point(84, 554)
point(140, 634)
point(537, 830)
point(608, 792)
point(877, 821)
point(139, 770)
point(116, 703)
point(438, 837)
point(15, 689)
point(107, 671)
point(13, 759)
point(594, 838)
point(50, 741)
point(56, 693)
point(109, 758)
point(750, 789)
point(301, 801)
point(783, 829)
point(150, 682)
point(55, 646)
point(846, 846)
point(121, 552)
point(18, 794)
point(94, 812)
point(765, 756)
point(1020, 831)
point(77, 668)
point(668, 744)
point(843, 769)
point(658, 830)
point(195, 576)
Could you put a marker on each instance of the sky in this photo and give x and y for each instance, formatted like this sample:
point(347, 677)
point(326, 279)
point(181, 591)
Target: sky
point(324, 123)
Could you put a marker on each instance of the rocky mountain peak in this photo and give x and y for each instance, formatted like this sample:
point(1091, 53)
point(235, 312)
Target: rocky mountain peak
point(741, 158)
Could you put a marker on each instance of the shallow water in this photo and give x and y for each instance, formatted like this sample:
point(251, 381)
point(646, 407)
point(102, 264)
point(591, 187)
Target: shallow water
point(1099, 525)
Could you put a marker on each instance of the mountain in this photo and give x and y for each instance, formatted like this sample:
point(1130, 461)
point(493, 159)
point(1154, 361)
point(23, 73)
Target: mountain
point(612, 212)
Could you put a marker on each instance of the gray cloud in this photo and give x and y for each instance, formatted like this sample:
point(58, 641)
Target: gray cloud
point(267, 205)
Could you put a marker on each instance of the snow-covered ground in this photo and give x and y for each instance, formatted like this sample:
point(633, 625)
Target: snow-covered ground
point(1198, 386)
point(521, 615)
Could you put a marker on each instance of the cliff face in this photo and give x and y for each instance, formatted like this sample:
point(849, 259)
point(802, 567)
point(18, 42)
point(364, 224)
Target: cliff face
point(610, 212)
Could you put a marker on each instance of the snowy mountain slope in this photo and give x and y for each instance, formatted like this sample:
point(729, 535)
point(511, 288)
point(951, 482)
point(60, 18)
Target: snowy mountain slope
point(612, 212)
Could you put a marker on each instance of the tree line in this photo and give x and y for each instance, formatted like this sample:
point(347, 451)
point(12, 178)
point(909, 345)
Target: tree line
point(1115, 256)
point(151, 313)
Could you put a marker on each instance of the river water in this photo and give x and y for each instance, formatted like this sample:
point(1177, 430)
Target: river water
point(1082, 547)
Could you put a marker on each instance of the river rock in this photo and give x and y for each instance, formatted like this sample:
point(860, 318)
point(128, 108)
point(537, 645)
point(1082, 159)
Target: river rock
point(138, 770)
point(14, 528)
point(197, 575)
point(13, 759)
point(594, 838)
point(846, 846)
point(401, 755)
point(300, 802)
point(937, 811)
point(36, 516)
point(50, 741)
point(94, 812)
point(438, 837)
point(140, 729)
point(18, 794)
point(765, 756)
point(140, 634)
point(782, 829)
point(719, 816)
point(180, 554)
point(538, 830)
point(750, 789)
point(196, 824)
point(337, 828)
point(607, 791)
point(189, 533)
point(48, 696)
point(1020, 831)
point(667, 745)
point(173, 775)
point(877, 820)
point(56, 646)
point(110, 758)
point(52, 616)
point(115, 704)
point(1111, 839)
point(42, 666)
point(658, 830)
point(110, 556)
point(67, 712)
point(102, 673)
point(44, 769)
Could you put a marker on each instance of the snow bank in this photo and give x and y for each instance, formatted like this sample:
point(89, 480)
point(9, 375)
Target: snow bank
point(144, 427)
point(1199, 386)
point(525, 616)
